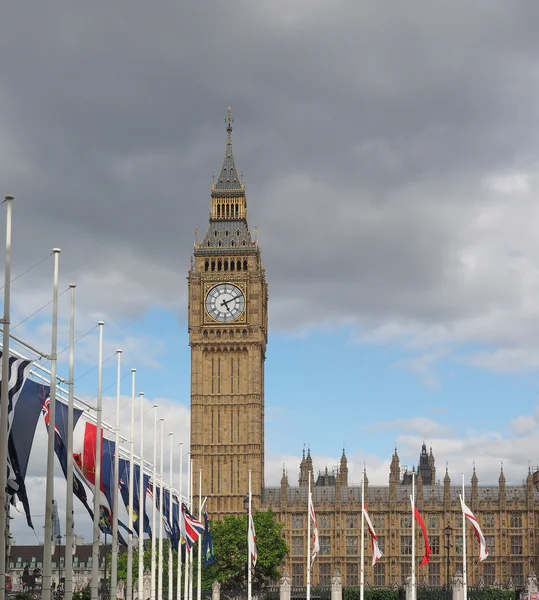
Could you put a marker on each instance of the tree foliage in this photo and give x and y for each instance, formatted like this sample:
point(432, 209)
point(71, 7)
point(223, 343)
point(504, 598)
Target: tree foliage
point(230, 550)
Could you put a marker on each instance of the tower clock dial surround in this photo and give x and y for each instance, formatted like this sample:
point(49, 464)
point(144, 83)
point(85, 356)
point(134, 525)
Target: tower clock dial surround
point(225, 302)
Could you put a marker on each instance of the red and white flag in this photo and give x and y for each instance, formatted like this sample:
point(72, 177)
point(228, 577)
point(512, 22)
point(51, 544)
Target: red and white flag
point(316, 540)
point(483, 552)
point(252, 539)
point(376, 552)
point(426, 557)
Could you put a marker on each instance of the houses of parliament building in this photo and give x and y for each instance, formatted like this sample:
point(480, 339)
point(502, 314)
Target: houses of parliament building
point(228, 333)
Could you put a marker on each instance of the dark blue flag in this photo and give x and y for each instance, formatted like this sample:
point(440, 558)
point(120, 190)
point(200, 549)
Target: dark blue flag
point(60, 447)
point(171, 525)
point(21, 435)
point(207, 543)
point(107, 483)
point(124, 491)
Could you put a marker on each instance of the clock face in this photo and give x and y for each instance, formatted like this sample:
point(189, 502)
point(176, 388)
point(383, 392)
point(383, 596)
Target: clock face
point(225, 302)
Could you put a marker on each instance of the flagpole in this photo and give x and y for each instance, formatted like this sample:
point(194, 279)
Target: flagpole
point(49, 490)
point(309, 541)
point(170, 558)
point(97, 487)
point(199, 578)
point(114, 566)
point(179, 573)
point(362, 551)
point(187, 554)
point(141, 505)
point(68, 559)
point(414, 587)
point(191, 578)
point(4, 402)
point(249, 549)
point(464, 570)
point(129, 585)
point(161, 481)
point(154, 507)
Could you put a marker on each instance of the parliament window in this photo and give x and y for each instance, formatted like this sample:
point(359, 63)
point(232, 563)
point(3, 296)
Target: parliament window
point(351, 545)
point(458, 544)
point(325, 545)
point(297, 574)
point(297, 545)
point(490, 540)
point(434, 574)
point(297, 522)
point(324, 578)
point(406, 544)
point(516, 544)
point(458, 521)
point(515, 520)
point(351, 521)
point(382, 542)
point(489, 573)
point(433, 522)
point(488, 520)
point(434, 542)
point(378, 521)
point(351, 574)
point(324, 522)
point(406, 569)
point(379, 574)
point(406, 520)
point(517, 573)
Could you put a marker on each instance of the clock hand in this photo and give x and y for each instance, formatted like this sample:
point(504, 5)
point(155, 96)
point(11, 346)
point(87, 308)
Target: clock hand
point(225, 303)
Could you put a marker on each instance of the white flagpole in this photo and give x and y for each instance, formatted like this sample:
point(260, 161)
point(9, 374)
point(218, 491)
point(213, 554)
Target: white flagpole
point(49, 489)
point(249, 549)
point(161, 485)
point(362, 551)
point(170, 558)
point(191, 578)
point(141, 505)
point(179, 573)
point(4, 401)
point(129, 585)
point(114, 561)
point(199, 542)
point(68, 558)
point(309, 541)
point(97, 487)
point(187, 554)
point(154, 506)
point(464, 570)
point(414, 587)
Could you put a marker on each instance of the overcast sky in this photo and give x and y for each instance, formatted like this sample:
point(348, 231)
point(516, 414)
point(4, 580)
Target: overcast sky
point(391, 159)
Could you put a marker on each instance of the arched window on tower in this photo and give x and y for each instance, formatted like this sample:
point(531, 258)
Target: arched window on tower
point(213, 265)
point(219, 265)
point(220, 243)
point(205, 334)
point(207, 265)
point(237, 210)
point(245, 265)
point(232, 243)
point(232, 265)
point(218, 210)
point(238, 266)
point(226, 265)
point(228, 210)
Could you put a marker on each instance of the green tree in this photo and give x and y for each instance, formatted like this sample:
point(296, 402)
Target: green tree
point(230, 550)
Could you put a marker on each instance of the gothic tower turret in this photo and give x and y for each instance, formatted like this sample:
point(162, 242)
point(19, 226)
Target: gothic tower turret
point(227, 307)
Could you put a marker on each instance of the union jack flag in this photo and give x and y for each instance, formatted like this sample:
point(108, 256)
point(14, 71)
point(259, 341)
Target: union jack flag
point(191, 528)
point(46, 413)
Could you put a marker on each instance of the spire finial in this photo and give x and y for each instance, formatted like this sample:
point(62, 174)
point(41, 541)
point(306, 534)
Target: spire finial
point(229, 119)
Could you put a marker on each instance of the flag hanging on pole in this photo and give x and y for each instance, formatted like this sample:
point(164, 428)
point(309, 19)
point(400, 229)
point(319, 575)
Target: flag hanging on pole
point(483, 552)
point(316, 540)
point(252, 539)
point(18, 370)
point(426, 557)
point(376, 552)
point(190, 527)
point(207, 543)
point(21, 437)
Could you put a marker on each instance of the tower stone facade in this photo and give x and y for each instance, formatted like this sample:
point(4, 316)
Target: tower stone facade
point(228, 328)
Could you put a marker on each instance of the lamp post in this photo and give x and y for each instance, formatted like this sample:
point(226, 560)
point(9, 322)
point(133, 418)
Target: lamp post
point(448, 531)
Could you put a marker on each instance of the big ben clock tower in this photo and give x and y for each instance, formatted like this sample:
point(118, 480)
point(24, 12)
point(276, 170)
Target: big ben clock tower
point(228, 327)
